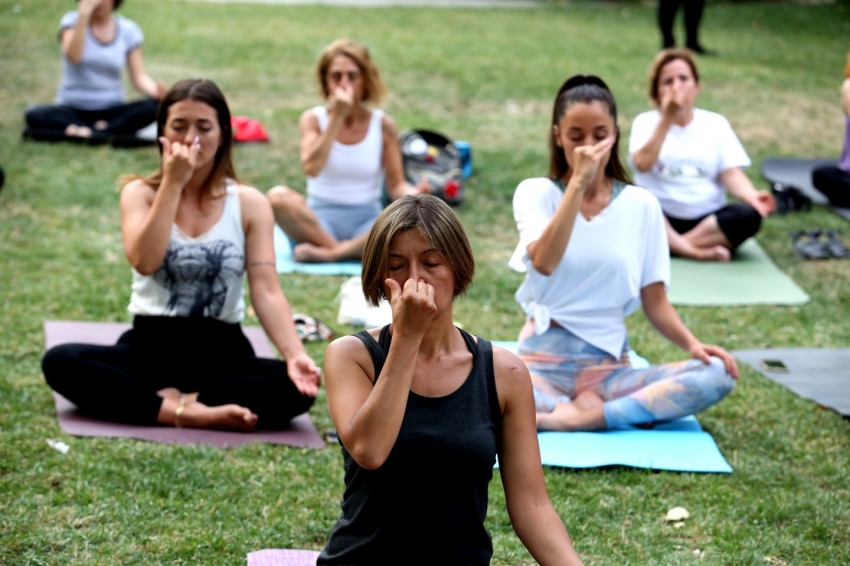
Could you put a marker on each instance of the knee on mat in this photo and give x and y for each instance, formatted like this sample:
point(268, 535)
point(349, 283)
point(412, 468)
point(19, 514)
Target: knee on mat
point(282, 198)
point(751, 220)
point(55, 365)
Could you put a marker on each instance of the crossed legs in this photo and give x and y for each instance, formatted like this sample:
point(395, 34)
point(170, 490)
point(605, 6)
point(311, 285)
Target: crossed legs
point(301, 224)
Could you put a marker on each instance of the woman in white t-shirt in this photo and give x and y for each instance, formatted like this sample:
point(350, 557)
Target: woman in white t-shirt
point(90, 103)
point(594, 249)
point(689, 158)
point(347, 149)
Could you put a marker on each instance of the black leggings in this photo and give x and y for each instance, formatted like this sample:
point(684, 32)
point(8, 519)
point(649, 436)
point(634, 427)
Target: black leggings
point(667, 15)
point(123, 120)
point(834, 183)
point(737, 222)
point(215, 359)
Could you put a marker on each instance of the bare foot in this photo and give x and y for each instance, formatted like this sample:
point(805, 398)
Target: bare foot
point(715, 253)
point(570, 417)
point(587, 400)
point(101, 125)
point(75, 131)
point(225, 417)
point(311, 253)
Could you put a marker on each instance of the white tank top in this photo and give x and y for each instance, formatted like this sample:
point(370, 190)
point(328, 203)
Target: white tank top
point(353, 174)
point(199, 276)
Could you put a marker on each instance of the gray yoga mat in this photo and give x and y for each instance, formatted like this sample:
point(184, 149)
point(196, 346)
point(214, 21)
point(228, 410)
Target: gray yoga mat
point(820, 375)
point(301, 431)
point(751, 278)
point(798, 173)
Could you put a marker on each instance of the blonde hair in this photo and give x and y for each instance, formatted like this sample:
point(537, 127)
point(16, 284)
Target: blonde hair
point(374, 89)
point(661, 60)
point(437, 223)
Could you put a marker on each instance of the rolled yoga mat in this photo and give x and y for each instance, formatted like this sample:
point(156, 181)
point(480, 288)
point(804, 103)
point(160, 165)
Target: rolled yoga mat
point(301, 431)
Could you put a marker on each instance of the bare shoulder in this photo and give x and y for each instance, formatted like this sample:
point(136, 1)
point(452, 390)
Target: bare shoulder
point(137, 190)
point(308, 118)
point(508, 366)
point(388, 126)
point(252, 199)
point(348, 350)
point(513, 383)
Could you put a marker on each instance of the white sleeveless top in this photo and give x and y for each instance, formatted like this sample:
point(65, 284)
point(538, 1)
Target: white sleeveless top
point(353, 174)
point(199, 276)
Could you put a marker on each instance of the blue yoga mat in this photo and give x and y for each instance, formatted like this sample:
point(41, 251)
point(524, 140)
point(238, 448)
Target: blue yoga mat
point(286, 263)
point(680, 445)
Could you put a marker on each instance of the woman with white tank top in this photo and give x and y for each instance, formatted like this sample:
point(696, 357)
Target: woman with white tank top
point(193, 233)
point(348, 150)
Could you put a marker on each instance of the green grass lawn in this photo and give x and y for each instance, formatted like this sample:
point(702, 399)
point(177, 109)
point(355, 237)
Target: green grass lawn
point(484, 76)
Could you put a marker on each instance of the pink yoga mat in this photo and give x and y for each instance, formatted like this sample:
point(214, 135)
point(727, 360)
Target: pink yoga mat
point(301, 431)
point(279, 557)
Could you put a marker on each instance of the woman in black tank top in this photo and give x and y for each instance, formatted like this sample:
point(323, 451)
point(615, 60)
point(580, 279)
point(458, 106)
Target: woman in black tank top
point(423, 409)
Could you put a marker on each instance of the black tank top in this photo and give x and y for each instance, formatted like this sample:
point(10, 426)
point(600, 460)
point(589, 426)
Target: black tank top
point(427, 503)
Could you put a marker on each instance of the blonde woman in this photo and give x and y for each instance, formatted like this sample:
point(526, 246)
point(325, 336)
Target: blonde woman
point(349, 149)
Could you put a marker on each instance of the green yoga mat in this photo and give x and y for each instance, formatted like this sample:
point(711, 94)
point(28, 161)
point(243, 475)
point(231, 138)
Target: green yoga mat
point(751, 278)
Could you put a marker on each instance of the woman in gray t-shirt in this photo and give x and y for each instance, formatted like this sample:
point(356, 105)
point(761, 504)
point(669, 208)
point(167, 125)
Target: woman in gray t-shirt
point(90, 102)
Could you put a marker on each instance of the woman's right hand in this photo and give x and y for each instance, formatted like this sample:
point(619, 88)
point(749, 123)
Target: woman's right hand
point(178, 160)
point(673, 99)
point(87, 7)
point(413, 306)
point(586, 161)
point(341, 101)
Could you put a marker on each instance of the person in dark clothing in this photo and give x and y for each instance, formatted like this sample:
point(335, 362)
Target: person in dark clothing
point(834, 180)
point(422, 410)
point(667, 10)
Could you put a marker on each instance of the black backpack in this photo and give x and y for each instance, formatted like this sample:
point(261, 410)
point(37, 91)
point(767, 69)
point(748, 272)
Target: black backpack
point(432, 155)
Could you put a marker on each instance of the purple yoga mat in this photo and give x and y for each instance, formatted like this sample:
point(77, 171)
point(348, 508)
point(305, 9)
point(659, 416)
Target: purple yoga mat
point(301, 431)
point(279, 557)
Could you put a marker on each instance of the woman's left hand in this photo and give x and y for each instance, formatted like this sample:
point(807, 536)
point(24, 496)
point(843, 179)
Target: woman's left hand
point(304, 374)
point(703, 352)
point(763, 202)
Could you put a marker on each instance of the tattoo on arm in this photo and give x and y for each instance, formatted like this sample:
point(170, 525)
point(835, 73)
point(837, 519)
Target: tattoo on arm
point(261, 263)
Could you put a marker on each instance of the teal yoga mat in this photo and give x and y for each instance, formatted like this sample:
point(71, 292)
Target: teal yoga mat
point(679, 446)
point(287, 264)
point(751, 278)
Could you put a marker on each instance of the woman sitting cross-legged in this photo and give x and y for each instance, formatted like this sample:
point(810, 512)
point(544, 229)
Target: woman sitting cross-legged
point(594, 248)
point(689, 158)
point(423, 409)
point(192, 232)
point(97, 44)
point(347, 151)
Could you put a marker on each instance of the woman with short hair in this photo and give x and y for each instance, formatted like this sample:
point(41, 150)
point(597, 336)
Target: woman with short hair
point(688, 158)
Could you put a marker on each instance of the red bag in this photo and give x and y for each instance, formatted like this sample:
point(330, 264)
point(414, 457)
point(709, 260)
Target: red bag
point(247, 130)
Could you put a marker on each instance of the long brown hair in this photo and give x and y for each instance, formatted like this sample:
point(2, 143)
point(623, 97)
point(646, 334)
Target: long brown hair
point(206, 91)
point(584, 89)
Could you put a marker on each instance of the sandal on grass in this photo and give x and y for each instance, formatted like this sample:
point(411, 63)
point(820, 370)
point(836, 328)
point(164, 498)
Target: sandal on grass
point(809, 245)
point(311, 329)
point(833, 244)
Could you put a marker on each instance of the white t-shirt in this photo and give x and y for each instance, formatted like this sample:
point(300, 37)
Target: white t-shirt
point(353, 173)
point(608, 260)
point(686, 177)
point(199, 276)
point(95, 82)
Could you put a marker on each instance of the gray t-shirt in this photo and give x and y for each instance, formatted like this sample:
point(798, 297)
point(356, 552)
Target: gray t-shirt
point(95, 82)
